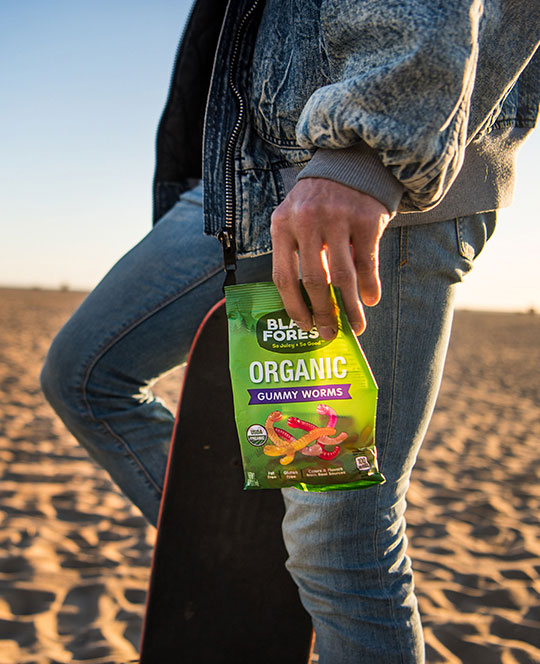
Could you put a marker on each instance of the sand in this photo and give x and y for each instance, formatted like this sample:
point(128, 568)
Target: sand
point(474, 503)
point(75, 556)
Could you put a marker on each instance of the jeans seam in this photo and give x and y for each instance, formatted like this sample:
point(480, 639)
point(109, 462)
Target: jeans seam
point(403, 245)
point(403, 240)
point(130, 454)
point(99, 354)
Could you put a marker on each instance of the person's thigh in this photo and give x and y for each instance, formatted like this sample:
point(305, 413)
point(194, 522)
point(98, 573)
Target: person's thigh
point(135, 326)
point(348, 548)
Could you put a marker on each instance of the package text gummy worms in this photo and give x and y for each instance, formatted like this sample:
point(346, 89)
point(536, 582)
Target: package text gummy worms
point(304, 407)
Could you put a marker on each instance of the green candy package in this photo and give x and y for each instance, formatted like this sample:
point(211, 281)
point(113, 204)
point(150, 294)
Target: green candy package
point(304, 407)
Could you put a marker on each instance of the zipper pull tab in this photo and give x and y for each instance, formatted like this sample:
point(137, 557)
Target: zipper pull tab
point(228, 244)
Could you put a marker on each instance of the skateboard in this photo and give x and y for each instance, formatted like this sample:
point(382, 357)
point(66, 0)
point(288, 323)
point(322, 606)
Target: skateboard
point(219, 591)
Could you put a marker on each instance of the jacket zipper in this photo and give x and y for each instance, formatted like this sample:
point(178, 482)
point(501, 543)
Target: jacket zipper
point(227, 233)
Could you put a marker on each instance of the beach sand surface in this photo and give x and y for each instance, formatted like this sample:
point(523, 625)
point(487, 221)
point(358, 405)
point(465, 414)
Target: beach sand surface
point(75, 555)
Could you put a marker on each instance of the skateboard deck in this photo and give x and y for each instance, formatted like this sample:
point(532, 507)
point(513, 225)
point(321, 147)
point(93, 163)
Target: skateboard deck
point(219, 591)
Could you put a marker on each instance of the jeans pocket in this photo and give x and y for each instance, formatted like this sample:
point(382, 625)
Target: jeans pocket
point(473, 231)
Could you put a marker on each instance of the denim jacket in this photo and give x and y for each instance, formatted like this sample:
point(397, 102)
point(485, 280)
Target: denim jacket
point(420, 104)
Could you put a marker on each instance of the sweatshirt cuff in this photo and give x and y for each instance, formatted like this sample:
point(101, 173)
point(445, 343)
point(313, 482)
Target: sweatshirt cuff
point(358, 167)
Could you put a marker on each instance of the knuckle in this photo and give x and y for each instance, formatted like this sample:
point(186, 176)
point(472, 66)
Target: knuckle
point(364, 272)
point(306, 211)
point(314, 282)
point(309, 213)
point(342, 277)
point(277, 222)
point(282, 280)
point(366, 265)
point(279, 217)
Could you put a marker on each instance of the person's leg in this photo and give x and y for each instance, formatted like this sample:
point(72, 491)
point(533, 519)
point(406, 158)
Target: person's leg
point(348, 548)
point(135, 326)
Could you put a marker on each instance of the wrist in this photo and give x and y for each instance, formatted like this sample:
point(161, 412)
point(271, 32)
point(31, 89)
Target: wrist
point(358, 167)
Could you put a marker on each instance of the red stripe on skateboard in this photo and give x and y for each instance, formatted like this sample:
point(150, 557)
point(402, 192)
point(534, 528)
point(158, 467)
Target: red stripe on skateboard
point(193, 344)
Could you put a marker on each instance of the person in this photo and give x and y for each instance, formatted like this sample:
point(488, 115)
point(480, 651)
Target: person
point(363, 142)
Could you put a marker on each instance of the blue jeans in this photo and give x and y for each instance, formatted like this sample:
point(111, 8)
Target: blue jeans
point(347, 549)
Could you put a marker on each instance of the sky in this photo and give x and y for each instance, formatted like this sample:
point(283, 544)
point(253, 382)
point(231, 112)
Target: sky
point(83, 87)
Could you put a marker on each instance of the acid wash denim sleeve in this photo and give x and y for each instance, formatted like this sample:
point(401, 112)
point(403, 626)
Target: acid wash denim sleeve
point(416, 80)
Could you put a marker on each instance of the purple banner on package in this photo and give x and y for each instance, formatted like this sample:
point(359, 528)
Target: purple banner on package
point(297, 394)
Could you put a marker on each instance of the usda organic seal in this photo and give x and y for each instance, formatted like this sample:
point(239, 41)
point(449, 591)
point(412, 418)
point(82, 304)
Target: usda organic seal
point(257, 435)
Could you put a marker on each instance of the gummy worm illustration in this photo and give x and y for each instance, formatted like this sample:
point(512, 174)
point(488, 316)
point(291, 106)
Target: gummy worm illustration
point(322, 409)
point(290, 448)
point(272, 434)
point(298, 444)
point(281, 447)
point(326, 440)
point(310, 450)
point(329, 455)
point(285, 444)
point(306, 439)
point(296, 423)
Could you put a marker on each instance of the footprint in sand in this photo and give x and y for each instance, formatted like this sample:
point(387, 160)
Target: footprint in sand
point(15, 565)
point(135, 595)
point(89, 644)
point(80, 608)
point(26, 601)
point(23, 633)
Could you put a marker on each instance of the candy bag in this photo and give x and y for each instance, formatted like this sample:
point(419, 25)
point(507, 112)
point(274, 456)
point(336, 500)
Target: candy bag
point(304, 407)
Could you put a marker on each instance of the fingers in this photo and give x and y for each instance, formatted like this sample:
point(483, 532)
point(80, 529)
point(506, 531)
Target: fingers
point(343, 275)
point(315, 281)
point(352, 269)
point(315, 278)
point(310, 247)
point(286, 277)
point(318, 219)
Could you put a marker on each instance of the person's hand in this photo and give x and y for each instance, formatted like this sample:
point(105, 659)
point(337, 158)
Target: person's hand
point(333, 231)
